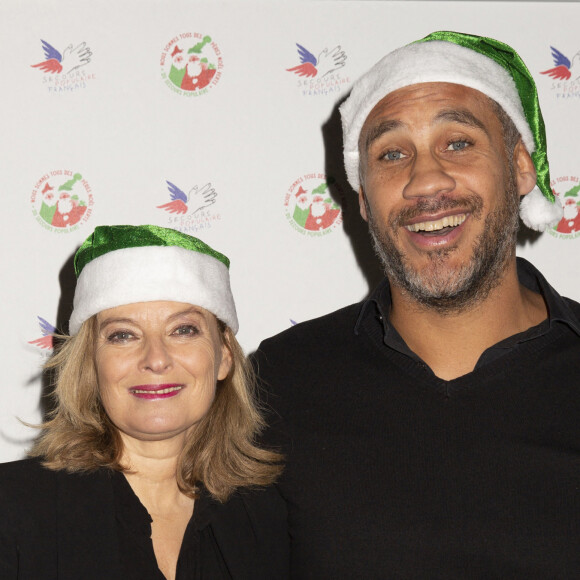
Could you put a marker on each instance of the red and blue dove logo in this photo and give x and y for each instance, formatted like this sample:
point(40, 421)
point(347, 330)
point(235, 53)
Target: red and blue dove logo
point(564, 69)
point(46, 341)
point(69, 60)
point(311, 66)
point(198, 198)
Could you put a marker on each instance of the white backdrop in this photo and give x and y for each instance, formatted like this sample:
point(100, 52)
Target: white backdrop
point(93, 134)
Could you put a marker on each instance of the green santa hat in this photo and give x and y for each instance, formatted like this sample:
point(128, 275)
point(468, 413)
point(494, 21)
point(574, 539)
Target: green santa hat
point(481, 63)
point(118, 265)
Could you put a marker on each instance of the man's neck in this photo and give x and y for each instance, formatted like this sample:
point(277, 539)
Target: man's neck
point(451, 343)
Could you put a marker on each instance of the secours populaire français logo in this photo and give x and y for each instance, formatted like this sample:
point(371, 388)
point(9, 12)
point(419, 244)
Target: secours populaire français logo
point(319, 74)
point(191, 64)
point(309, 206)
point(66, 71)
point(61, 201)
point(567, 189)
point(565, 74)
point(44, 342)
point(193, 211)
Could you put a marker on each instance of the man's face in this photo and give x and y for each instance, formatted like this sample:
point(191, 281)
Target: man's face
point(439, 193)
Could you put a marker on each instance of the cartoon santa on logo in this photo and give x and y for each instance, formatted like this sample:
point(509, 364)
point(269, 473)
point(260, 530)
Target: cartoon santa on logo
point(323, 211)
point(198, 73)
point(177, 71)
point(302, 207)
point(191, 71)
point(570, 222)
point(67, 210)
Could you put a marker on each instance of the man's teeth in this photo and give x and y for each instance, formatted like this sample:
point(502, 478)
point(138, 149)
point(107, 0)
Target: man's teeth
point(448, 221)
point(157, 391)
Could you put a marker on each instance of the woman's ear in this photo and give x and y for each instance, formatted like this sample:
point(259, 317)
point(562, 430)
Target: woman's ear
point(226, 362)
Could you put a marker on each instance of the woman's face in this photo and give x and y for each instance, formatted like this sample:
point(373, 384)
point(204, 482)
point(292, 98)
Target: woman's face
point(157, 367)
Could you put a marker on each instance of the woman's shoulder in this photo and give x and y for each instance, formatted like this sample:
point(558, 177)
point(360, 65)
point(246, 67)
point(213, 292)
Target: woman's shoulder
point(24, 473)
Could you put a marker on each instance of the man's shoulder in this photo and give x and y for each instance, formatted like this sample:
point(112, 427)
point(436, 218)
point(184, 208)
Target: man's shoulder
point(573, 305)
point(331, 327)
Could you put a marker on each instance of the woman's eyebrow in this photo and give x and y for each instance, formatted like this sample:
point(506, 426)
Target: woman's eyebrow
point(108, 321)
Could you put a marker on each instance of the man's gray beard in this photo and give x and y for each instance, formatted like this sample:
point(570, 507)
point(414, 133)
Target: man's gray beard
point(451, 291)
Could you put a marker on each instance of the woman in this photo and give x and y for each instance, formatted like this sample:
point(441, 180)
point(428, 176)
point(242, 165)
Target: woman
point(147, 467)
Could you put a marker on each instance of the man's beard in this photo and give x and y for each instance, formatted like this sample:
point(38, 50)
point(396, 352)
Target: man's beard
point(441, 288)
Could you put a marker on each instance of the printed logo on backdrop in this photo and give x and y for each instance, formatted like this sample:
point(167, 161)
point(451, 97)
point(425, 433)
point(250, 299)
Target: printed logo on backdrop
point(565, 74)
point(44, 342)
point(567, 189)
point(191, 64)
point(319, 75)
point(309, 207)
point(65, 72)
point(61, 201)
point(191, 211)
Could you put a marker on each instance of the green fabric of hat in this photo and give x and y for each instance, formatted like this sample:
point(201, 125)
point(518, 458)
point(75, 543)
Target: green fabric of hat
point(124, 264)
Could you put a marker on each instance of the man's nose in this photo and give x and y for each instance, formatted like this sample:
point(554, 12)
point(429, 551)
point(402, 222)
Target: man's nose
point(428, 177)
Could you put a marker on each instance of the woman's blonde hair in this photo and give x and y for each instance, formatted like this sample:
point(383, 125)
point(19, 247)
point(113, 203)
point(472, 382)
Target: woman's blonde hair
point(221, 452)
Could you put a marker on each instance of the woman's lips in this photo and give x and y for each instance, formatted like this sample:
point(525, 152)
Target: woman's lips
point(156, 391)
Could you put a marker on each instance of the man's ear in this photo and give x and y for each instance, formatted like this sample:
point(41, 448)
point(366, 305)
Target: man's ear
point(525, 171)
point(362, 204)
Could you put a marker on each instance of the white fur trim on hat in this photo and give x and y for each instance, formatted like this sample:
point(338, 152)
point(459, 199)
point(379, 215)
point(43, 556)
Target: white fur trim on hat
point(539, 213)
point(150, 273)
point(424, 62)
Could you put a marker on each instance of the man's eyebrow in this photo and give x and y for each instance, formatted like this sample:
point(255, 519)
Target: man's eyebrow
point(380, 129)
point(462, 117)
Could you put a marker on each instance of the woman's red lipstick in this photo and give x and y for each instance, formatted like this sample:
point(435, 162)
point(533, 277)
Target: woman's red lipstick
point(156, 391)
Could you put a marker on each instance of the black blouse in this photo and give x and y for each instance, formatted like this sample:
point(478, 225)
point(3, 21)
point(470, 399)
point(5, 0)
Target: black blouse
point(136, 547)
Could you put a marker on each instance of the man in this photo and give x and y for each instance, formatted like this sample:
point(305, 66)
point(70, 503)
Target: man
point(437, 434)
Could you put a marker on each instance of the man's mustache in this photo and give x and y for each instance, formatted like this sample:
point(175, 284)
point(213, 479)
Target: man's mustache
point(472, 204)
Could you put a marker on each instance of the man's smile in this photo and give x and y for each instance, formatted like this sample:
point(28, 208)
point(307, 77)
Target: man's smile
point(451, 221)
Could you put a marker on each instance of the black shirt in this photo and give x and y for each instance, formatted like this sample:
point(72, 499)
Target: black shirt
point(136, 547)
point(393, 472)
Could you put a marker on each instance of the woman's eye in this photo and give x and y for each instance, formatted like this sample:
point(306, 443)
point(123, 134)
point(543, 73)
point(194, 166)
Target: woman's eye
point(458, 145)
point(393, 155)
point(119, 336)
point(186, 330)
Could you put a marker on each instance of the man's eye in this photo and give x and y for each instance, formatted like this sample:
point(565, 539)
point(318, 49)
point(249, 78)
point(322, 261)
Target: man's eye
point(458, 145)
point(393, 155)
point(186, 330)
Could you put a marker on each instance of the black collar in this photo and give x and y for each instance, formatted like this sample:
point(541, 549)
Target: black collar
point(377, 306)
